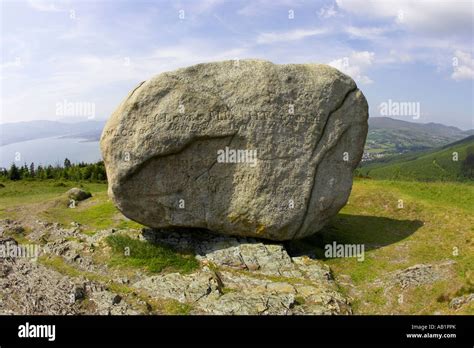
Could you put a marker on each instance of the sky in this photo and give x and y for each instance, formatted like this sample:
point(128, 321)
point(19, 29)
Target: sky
point(90, 54)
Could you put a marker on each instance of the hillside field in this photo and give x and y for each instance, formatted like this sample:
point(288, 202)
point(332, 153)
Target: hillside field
point(442, 164)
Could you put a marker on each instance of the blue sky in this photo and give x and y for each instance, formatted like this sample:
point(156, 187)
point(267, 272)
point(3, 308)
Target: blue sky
point(97, 51)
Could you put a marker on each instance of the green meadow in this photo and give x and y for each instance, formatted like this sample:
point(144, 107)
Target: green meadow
point(402, 224)
point(442, 164)
point(46, 201)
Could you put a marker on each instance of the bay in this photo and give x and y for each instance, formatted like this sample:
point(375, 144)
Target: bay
point(49, 151)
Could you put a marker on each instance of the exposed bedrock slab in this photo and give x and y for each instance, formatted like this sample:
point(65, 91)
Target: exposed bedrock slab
point(244, 276)
point(245, 148)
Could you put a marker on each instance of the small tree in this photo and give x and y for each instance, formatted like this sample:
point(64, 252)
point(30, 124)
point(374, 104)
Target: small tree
point(24, 172)
point(67, 163)
point(49, 172)
point(14, 173)
point(32, 170)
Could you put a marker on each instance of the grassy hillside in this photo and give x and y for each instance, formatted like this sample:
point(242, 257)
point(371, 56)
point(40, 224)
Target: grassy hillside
point(431, 165)
point(390, 136)
point(432, 229)
point(46, 200)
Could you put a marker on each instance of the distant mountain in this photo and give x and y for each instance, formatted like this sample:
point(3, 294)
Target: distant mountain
point(429, 165)
point(388, 136)
point(23, 131)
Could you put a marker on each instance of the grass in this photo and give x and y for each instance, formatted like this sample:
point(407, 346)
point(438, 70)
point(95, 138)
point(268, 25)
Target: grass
point(46, 200)
point(130, 252)
point(436, 219)
point(447, 194)
point(174, 307)
point(97, 214)
point(30, 191)
point(58, 264)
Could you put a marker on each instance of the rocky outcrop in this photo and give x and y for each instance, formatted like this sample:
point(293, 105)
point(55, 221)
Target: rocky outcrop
point(236, 276)
point(460, 301)
point(245, 276)
point(28, 287)
point(246, 148)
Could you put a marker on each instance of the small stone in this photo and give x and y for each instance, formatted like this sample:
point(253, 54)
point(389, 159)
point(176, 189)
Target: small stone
point(116, 299)
point(78, 194)
point(79, 293)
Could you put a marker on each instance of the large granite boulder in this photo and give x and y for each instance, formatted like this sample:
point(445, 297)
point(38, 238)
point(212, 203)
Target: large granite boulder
point(246, 148)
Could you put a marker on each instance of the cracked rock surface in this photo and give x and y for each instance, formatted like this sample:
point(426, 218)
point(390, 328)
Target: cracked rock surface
point(235, 276)
point(29, 287)
point(301, 130)
point(246, 276)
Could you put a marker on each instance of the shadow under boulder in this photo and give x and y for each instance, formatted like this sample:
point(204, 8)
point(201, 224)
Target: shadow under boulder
point(372, 232)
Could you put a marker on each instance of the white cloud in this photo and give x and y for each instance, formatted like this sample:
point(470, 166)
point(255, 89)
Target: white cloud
point(85, 78)
point(262, 7)
point(355, 65)
point(428, 16)
point(194, 8)
point(368, 33)
point(327, 12)
point(397, 56)
point(292, 35)
point(45, 5)
point(423, 31)
point(206, 5)
point(463, 66)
